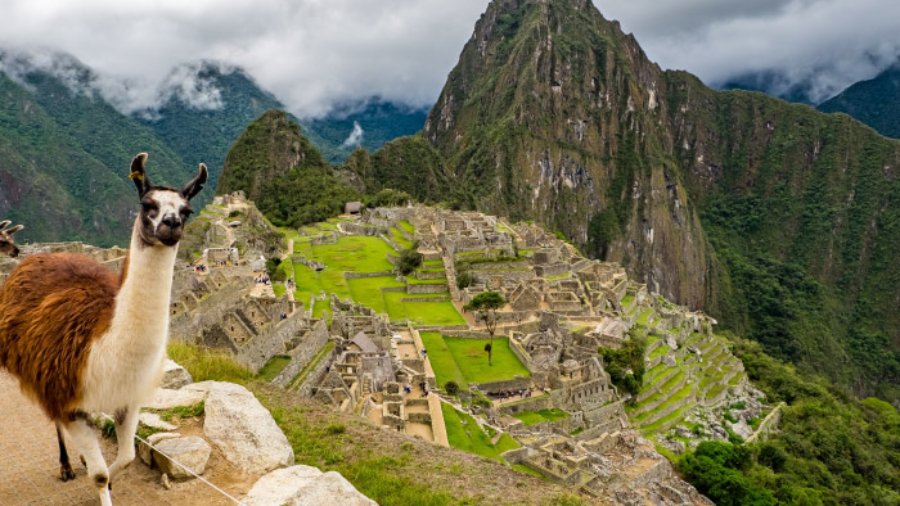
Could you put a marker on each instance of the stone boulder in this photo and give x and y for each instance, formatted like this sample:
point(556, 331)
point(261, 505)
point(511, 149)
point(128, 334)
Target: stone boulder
point(175, 376)
point(146, 453)
point(167, 398)
point(242, 428)
point(304, 486)
point(191, 451)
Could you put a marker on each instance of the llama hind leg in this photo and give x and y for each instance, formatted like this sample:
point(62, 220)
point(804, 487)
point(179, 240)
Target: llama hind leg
point(85, 440)
point(126, 426)
point(65, 468)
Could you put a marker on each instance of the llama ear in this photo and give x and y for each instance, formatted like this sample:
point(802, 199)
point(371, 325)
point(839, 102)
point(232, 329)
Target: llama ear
point(194, 186)
point(4, 224)
point(14, 229)
point(138, 175)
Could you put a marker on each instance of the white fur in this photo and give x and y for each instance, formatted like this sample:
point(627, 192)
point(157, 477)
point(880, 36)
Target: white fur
point(170, 204)
point(124, 363)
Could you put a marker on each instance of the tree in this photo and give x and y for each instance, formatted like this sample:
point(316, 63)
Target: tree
point(485, 306)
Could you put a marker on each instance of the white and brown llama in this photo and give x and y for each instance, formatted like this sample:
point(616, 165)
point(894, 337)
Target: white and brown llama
point(82, 339)
point(7, 244)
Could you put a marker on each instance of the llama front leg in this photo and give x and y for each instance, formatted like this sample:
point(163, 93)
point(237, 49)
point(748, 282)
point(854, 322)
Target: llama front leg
point(85, 440)
point(65, 468)
point(126, 426)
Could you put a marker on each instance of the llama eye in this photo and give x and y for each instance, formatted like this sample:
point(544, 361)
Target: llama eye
point(149, 207)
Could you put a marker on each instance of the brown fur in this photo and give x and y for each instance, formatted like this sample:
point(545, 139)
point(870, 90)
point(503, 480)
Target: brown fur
point(52, 308)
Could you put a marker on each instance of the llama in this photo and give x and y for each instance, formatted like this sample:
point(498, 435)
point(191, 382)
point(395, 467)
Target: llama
point(7, 245)
point(82, 339)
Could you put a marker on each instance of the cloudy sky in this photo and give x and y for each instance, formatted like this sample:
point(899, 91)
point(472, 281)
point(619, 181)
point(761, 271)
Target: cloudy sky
point(314, 53)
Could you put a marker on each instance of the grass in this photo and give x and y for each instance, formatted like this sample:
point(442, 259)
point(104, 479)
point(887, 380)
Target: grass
point(465, 361)
point(627, 300)
point(401, 240)
point(442, 361)
point(205, 364)
point(273, 367)
point(406, 226)
point(541, 416)
point(366, 254)
point(421, 313)
point(644, 317)
point(464, 433)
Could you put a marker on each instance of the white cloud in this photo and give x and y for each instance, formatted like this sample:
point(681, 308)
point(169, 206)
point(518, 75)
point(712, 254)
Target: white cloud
point(355, 137)
point(309, 53)
point(830, 43)
point(314, 53)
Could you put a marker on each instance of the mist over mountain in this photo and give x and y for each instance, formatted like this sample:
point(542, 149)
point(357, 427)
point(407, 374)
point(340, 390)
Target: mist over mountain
point(875, 102)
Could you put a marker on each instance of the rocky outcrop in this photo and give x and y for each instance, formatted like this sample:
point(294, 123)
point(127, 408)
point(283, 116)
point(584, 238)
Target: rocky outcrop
point(174, 375)
point(242, 428)
point(173, 455)
point(304, 486)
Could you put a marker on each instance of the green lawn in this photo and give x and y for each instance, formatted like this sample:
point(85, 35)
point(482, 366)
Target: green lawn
point(421, 313)
point(401, 240)
point(354, 253)
point(366, 254)
point(406, 226)
point(367, 291)
point(465, 361)
point(464, 434)
point(273, 367)
point(442, 361)
point(540, 416)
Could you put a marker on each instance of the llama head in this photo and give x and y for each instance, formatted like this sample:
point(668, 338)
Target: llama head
point(164, 210)
point(7, 245)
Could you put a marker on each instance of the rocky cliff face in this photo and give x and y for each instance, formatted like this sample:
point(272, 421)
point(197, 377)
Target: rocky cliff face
point(560, 117)
point(771, 216)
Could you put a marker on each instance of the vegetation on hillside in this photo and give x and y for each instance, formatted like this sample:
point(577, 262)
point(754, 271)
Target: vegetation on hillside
point(279, 169)
point(829, 449)
point(875, 102)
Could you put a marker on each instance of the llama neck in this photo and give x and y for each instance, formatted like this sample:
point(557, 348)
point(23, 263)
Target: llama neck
point(142, 305)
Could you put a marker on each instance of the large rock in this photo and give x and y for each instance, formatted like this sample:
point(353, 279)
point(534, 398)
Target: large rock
point(166, 398)
point(304, 486)
point(191, 451)
point(175, 376)
point(242, 428)
point(146, 453)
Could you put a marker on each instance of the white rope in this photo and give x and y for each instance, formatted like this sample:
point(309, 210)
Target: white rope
point(186, 468)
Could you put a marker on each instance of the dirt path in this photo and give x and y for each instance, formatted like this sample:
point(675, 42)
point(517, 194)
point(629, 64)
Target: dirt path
point(29, 469)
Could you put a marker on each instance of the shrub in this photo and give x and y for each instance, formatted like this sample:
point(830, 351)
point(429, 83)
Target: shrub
point(451, 387)
point(464, 279)
point(410, 260)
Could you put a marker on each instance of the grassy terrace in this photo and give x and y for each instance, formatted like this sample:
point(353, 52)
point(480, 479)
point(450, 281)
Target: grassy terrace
point(465, 361)
point(465, 434)
point(541, 416)
point(273, 367)
point(401, 240)
point(366, 254)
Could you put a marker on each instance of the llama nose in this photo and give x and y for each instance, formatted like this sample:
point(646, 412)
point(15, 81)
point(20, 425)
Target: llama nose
point(171, 221)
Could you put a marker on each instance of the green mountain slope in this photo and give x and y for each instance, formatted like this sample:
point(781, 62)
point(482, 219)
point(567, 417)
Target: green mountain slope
point(378, 122)
point(64, 156)
point(205, 134)
point(773, 217)
point(279, 169)
point(875, 102)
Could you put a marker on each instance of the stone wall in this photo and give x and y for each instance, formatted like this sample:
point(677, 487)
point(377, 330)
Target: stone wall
point(255, 353)
point(315, 376)
point(301, 355)
point(426, 288)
